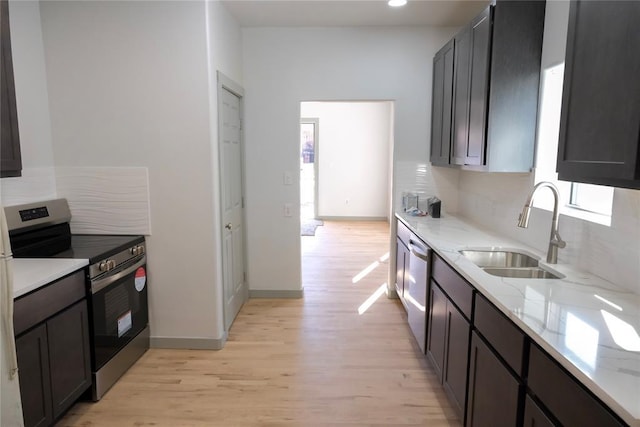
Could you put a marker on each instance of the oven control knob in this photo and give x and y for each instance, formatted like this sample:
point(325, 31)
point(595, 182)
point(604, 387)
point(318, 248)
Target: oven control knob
point(103, 266)
point(134, 251)
point(141, 249)
point(111, 264)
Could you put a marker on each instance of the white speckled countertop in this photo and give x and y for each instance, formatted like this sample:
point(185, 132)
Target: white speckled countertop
point(590, 326)
point(31, 273)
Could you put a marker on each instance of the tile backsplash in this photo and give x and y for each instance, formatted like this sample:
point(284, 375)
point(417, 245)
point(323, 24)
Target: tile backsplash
point(426, 181)
point(611, 252)
point(34, 185)
point(106, 200)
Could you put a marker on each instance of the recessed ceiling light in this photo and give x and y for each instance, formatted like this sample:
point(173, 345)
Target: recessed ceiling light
point(397, 3)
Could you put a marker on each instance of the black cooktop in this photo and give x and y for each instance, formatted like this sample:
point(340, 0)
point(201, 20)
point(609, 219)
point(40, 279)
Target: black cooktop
point(96, 247)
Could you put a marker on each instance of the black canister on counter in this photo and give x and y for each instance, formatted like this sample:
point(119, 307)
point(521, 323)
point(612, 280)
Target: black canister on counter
point(433, 207)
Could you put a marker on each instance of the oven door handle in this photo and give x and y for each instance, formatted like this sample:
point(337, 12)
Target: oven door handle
point(98, 285)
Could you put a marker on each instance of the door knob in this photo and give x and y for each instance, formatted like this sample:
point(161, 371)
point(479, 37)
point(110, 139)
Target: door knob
point(228, 226)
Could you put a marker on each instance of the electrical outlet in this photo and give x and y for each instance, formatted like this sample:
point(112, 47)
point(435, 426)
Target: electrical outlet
point(287, 208)
point(288, 179)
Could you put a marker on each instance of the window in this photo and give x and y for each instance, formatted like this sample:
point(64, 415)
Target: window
point(593, 198)
point(589, 202)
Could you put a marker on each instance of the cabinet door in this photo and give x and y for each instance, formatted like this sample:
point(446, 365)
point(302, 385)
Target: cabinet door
point(454, 376)
point(34, 376)
point(442, 102)
point(462, 69)
point(493, 391)
point(533, 415)
point(478, 90)
point(402, 258)
point(10, 159)
point(600, 118)
point(437, 325)
point(68, 336)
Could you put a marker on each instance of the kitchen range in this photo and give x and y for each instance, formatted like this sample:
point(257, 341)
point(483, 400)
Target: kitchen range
point(115, 284)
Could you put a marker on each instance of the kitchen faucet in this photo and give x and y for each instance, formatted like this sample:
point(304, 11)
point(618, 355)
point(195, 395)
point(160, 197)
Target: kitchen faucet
point(555, 241)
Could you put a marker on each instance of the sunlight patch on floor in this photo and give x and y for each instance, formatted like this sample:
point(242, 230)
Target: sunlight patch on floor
point(372, 299)
point(364, 272)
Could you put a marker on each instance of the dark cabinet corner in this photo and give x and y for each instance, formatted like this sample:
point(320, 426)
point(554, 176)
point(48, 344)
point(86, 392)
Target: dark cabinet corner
point(534, 416)
point(600, 141)
point(10, 156)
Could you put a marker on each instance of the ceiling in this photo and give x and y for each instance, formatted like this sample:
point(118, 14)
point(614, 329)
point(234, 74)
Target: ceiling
point(349, 13)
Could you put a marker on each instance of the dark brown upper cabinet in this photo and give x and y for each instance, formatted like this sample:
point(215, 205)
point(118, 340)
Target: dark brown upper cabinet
point(600, 119)
point(10, 158)
point(472, 82)
point(442, 102)
point(496, 79)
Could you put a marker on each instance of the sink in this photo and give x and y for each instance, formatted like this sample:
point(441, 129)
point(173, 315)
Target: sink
point(522, 273)
point(499, 258)
point(508, 263)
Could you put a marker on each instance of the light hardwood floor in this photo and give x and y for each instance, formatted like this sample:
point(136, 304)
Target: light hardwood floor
point(293, 362)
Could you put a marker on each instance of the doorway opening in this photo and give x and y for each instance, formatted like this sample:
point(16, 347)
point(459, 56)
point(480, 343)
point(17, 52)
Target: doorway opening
point(346, 164)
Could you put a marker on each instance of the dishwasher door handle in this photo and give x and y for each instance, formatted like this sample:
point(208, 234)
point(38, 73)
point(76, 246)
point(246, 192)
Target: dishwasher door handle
point(418, 251)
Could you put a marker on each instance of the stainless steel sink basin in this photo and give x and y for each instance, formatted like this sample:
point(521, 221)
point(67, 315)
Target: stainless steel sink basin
point(506, 263)
point(499, 258)
point(522, 273)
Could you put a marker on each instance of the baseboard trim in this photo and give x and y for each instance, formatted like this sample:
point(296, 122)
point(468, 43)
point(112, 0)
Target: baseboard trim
point(189, 343)
point(354, 218)
point(257, 293)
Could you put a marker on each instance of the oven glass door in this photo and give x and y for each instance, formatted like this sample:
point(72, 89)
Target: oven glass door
point(119, 311)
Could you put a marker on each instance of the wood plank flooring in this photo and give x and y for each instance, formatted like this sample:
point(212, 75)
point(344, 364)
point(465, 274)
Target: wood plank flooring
point(294, 362)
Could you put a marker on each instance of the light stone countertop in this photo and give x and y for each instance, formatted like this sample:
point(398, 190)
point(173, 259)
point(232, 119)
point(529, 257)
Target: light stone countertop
point(590, 326)
point(31, 273)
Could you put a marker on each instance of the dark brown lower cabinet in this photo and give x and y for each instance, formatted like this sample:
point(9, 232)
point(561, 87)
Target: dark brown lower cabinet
point(493, 391)
point(563, 396)
point(69, 357)
point(54, 365)
point(448, 347)
point(534, 416)
point(35, 379)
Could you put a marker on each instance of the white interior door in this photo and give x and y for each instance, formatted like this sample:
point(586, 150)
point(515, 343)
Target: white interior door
point(235, 286)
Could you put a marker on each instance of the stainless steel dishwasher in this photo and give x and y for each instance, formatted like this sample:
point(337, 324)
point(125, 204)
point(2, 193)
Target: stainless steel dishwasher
point(416, 295)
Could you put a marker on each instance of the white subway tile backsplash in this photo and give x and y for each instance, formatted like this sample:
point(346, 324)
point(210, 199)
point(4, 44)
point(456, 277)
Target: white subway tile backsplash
point(426, 181)
point(106, 200)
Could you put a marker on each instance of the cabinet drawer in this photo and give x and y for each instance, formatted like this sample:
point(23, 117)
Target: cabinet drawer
point(565, 397)
point(403, 233)
point(458, 290)
point(37, 306)
point(501, 333)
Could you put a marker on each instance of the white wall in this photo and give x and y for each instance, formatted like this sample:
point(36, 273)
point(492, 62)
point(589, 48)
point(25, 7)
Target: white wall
point(495, 200)
point(284, 66)
point(352, 157)
point(34, 124)
point(130, 85)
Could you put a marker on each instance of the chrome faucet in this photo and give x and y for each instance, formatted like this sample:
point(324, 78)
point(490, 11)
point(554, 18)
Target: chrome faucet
point(555, 241)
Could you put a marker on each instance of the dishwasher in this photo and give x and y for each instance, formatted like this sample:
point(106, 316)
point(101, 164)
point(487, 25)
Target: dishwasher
point(416, 295)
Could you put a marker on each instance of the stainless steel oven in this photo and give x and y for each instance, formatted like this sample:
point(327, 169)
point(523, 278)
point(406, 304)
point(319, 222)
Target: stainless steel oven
point(119, 316)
